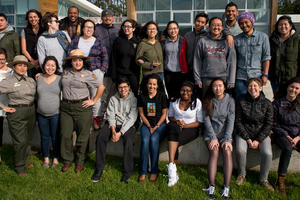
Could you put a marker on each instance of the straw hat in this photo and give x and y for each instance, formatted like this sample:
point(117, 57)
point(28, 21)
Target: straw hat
point(20, 59)
point(76, 53)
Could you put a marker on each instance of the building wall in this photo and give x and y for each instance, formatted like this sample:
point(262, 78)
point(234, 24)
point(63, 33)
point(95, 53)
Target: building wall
point(184, 11)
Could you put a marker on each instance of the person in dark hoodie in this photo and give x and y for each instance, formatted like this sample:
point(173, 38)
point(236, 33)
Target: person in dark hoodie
point(122, 60)
point(9, 39)
point(253, 124)
point(72, 24)
point(285, 52)
point(287, 126)
point(175, 61)
point(219, 114)
point(214, 58)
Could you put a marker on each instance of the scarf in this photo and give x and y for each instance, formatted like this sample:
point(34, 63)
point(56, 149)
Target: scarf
point(61, 37)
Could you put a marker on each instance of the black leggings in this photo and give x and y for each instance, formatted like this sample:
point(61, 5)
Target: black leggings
point(181, 135)
point(1, 130)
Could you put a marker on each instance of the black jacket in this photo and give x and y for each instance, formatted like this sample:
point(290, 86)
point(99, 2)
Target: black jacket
point(254, 118)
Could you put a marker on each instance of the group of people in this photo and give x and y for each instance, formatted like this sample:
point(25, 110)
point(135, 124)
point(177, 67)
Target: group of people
point(208, 81)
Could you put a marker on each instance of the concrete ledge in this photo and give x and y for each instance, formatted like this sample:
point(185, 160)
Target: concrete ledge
point(193, 153)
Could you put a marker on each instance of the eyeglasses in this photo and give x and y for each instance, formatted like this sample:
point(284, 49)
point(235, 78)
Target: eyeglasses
point(128, 27)
point(56, 21)
point(123, 88)
point(2, 59)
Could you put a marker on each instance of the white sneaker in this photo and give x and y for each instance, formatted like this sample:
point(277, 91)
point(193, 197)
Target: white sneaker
point(211, 191)
point(225, 193)
point(172, 174)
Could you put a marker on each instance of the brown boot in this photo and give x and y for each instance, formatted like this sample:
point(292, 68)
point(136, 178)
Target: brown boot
point(281, 185)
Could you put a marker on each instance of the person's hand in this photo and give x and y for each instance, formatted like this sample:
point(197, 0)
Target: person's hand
point(200, 85)
point(152, 130)
point(249, 141)
point(230, 87)
point(295, 142)
point(213, 145)
point(289, 139)
point(156, 64)
point(87, 103)
point(117, 136)
point(35, 63)
point(140, 61)
point(227, 146)
point(9, 109)
point(180, 123)
point(37, 76)
point(264, 80)
point(230, 40)
point(255, 144)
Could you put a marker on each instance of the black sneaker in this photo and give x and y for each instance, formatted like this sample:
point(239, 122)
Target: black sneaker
point(96, 176)
point(124, 179)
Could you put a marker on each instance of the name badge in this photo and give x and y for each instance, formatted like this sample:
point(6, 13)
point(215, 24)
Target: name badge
point(17, 85)
point(82, 75)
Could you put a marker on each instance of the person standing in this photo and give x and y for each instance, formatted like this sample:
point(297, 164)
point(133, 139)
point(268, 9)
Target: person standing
point(48, 104)
point(214, 58)
point(285, 52)
point(20, 111)
point(231, 23)
point(175, 61)
point(4, 73)
point(72, 24)
point(76, 108)
point(107, 33)
point(123, 55)
point(253, 54)
point(9, 39)
point(29, 39)
point(97, 56)
point(149, 55)
point(52, 42)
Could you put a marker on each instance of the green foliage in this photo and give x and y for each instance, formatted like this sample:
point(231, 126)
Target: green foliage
point(289, 8)
point(52, 184)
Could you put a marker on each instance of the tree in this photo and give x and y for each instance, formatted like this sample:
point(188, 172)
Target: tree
point(289, 8)
point(119, 7)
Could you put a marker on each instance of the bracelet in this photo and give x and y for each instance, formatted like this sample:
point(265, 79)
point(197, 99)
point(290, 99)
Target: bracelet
point(157, 125)
point(266, 75)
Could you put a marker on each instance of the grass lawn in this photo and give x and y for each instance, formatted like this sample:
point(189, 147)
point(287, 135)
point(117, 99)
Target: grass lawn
point(53, 184)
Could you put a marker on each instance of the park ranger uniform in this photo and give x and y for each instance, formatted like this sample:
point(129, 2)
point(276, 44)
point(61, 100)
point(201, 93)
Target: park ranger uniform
point(75, 90)
point(21, 93)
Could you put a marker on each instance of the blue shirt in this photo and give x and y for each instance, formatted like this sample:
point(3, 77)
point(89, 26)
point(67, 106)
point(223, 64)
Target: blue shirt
point(251, 53)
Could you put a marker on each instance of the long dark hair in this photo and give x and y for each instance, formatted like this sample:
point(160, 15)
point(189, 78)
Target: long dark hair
point(165, 32)
point(134, 25)
point(56, 63)
point(160, 85)
point(284, 17)
point(145, 27)
point(207, 102)
point(37, 13)
point(282, 92)
point(86, 64)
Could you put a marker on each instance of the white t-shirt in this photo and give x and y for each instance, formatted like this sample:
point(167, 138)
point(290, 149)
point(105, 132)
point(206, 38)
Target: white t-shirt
point(188, 116)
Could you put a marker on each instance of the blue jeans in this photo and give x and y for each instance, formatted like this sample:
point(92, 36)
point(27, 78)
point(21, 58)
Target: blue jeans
point(150, 142)
point(241, 89)
point(49, 127)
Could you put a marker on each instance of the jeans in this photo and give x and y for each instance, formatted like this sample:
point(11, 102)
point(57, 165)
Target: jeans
point(286, 153)
point(150, 142)
point(48, 126)
point(241, 89)
point(265, 149)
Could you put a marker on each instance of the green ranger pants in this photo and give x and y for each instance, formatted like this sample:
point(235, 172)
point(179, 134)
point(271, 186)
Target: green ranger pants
point(21, 127)
point(74, 117)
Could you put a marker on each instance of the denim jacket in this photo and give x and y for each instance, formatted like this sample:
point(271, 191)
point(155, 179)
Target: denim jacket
point(251, 53)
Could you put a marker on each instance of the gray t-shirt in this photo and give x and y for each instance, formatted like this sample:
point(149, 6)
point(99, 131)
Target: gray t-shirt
point(86, 45)
point(171, 59)
point(48, 96)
